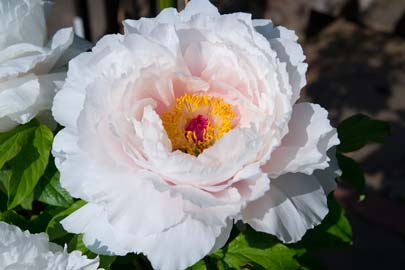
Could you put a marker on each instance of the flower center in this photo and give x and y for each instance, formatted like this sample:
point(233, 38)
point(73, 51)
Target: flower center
point(196, 122)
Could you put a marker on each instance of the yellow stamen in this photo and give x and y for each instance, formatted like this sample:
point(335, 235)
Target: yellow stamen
point(197, 121)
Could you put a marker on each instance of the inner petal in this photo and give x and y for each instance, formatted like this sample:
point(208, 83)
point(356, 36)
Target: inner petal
point(197, 121)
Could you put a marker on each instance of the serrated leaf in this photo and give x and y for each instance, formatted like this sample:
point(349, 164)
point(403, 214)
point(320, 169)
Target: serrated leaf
point(29, 166)
point(352, 173)
point(356, 131)
point(54, 228)
point(255, 250)
point(54, 194)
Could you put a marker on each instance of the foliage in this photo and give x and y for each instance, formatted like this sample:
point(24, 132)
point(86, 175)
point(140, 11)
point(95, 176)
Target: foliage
point(354, 133)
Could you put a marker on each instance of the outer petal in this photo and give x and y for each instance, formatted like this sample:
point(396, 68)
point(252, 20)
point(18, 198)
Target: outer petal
point(22, 21)
point(284, 42)
point(200, 7)
point(83, 70)
point(183, 245)
point(304, 148)
point(23, 58)
point(22, 250)
point(294, 204)
point(49, 84)
point(23, 98)
point(175, 248)
point(99, 236)
point(17, 95)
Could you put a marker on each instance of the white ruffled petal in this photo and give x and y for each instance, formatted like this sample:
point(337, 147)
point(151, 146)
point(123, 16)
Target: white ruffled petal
point(18, 94)
point(199, 7)
point(284, 42)
point(27, 81)
point(294, 204)
point(98, 234)
point(182, 245)
point(22, 250)
point(22, 21)
point(305, 146)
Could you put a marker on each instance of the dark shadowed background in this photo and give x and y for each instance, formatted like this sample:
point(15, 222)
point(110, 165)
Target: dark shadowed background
point(356, 55)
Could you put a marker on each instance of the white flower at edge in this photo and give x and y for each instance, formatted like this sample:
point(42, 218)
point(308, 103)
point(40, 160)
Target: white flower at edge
point(185, 124)
point(24, 251)
point(29, 66)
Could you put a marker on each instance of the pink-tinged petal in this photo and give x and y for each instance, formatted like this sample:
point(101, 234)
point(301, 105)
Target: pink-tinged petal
point(130, 199)
point(83, 69)
point(294, 204)
point(214, 165)
point(304, 148)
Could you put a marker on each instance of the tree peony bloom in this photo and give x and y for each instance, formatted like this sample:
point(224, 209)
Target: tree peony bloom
point(22, 251)
point(185, 124)
point(27, 65)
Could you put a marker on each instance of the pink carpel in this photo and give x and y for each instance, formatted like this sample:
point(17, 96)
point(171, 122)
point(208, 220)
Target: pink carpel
point(198, 125)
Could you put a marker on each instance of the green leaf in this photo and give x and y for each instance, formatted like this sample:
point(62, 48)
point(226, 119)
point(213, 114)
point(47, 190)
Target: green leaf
point(54, 228)
point(39, 222)
point(107, 261)
point(352, 173)
point(4, 180)
point(198, 266)
point(130, 262)
point(356, 131)
point(334, 232)
point(167, 3)
point(29, 166)
point(76, 243)
point(53, 194)
point(11, 142)
point(12, 217)
point(255, 250)
point(27, 202)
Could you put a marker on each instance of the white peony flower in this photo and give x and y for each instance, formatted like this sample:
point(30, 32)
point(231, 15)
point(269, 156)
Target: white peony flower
point(184, 124)
point(24, 251)
point(28, 66)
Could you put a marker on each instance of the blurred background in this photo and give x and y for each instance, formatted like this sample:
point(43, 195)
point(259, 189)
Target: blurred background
point(356, 55)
